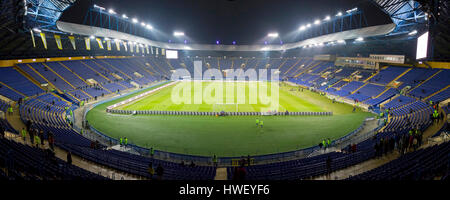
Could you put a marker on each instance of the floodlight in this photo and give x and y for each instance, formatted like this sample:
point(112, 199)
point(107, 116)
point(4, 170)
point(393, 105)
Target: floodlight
point(142, 24)
point(111, 11)
point(352, 10)
point(124, 16)
point(308, 25)
point(273, 35)
point(92, 37)
point(412, 32)
point(339, 14)
point(176, 33)
point(360, 39)
point(317, 22)
point(149, 27)
point(327, 18)
point(302, 28)
point(135, 20)
point(101, 8)
point(341, 41)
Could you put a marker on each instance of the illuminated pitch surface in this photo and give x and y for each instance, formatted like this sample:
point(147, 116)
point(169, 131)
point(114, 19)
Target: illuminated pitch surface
point(231, 135)
point(229, 102)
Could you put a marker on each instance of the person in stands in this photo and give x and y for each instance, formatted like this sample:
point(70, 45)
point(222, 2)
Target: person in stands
point(160, 171)
point(69, 158)
point(41, 136)
point(2, 132)
point(150, 170)
point(328, 163)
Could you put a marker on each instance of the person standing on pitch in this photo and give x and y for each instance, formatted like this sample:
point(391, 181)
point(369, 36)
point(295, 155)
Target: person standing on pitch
point(121, 141)
point(257, 122)
point(261, 123)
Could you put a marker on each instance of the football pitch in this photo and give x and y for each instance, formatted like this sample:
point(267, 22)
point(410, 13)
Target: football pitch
point(214, 96)
point(229, 135)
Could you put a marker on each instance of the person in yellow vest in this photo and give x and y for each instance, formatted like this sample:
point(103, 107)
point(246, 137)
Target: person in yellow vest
point(152, 152)
point(37, 140)
point(24, 134)
point(10, 110)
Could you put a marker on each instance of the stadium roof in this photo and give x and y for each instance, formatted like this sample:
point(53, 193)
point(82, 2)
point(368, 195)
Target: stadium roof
point(107, 33)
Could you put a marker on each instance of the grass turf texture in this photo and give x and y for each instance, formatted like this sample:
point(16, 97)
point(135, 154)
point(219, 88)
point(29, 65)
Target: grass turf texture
point(231, 135)
point(161, 100)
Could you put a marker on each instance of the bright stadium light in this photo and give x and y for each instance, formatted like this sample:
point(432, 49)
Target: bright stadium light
point(412, 32)
point(112, 12)
point(308, 25)
point(124, 16)
point(302, 28)
point(177, 33)
point(99, 7)
point(143, 24)
point(317, 22)
point(135, 20)
point(339, 14)
point(352, 10)
point(272, 35)
point(341, 41)
point(149, 27)
point(327, 18)
point(92, 37)
point(360, 39)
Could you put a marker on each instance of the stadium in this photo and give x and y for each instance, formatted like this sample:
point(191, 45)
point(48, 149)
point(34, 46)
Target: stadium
point(356, 90)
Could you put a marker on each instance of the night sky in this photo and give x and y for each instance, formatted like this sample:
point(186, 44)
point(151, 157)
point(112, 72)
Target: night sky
point(243, 21)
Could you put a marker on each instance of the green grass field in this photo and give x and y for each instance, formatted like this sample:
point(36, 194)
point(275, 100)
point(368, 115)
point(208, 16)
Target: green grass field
point(231, 135)
point(161, 100)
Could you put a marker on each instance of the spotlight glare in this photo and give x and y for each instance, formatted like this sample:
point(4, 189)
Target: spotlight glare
point(111, 11)
point(124, 16)
point(412, 32)
point(360, 39)
point(339, 14)
point(272, 35)
point(352, 10)
point(135, 20)
point(317, 22)
point(327, 18)
point(302, 28)
point(149, 27)
point(176, 33)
